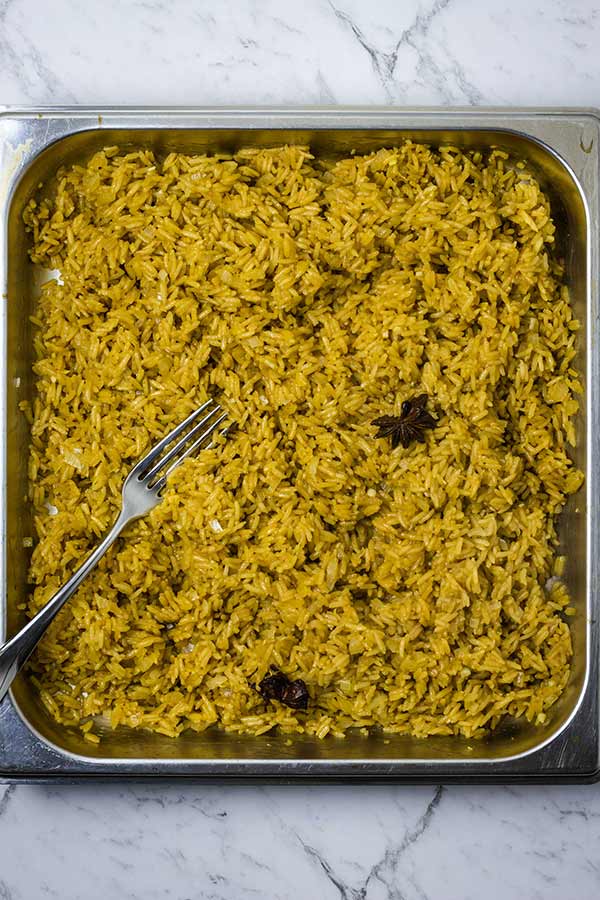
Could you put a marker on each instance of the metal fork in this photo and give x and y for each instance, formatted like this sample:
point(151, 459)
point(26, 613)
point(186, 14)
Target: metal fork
point(142, 491)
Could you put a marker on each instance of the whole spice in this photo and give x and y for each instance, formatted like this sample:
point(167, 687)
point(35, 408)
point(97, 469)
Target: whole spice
point(277, 686)
point(409, 426)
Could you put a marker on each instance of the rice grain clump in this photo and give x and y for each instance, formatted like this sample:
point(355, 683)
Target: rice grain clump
point(407, 587)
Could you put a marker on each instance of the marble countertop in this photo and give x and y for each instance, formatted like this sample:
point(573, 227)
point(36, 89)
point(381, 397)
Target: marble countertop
point(352, 843)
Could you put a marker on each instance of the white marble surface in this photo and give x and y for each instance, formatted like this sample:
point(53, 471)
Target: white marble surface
point(353, 843)
point(300, 843)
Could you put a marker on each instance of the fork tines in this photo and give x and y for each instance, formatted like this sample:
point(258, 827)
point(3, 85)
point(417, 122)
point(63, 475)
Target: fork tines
point(194, 432)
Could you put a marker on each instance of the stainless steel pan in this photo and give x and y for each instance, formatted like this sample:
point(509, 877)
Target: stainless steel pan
point(562, 147)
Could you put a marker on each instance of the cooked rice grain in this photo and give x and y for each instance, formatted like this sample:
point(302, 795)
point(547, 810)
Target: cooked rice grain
point(407, 587)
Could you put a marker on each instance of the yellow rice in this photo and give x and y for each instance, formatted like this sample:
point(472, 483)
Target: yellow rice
point(411, 589)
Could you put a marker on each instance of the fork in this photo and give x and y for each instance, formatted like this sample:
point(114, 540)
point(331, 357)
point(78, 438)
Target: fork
point(142, 491)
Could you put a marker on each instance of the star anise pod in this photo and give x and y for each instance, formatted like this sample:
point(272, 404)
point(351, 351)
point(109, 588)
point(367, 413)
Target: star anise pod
point(409, 426)
point(277, 686)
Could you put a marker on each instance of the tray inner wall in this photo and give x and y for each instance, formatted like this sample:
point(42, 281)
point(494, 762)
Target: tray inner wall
point(572, 227)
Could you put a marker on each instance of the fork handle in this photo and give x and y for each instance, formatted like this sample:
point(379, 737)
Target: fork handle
point(15, 652)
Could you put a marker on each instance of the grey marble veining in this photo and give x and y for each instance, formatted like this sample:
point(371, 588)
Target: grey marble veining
point(361, 843)
point(351, 843)
point(318, 51)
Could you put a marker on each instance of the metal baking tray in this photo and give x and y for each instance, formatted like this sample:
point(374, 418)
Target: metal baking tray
point(562, 147)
